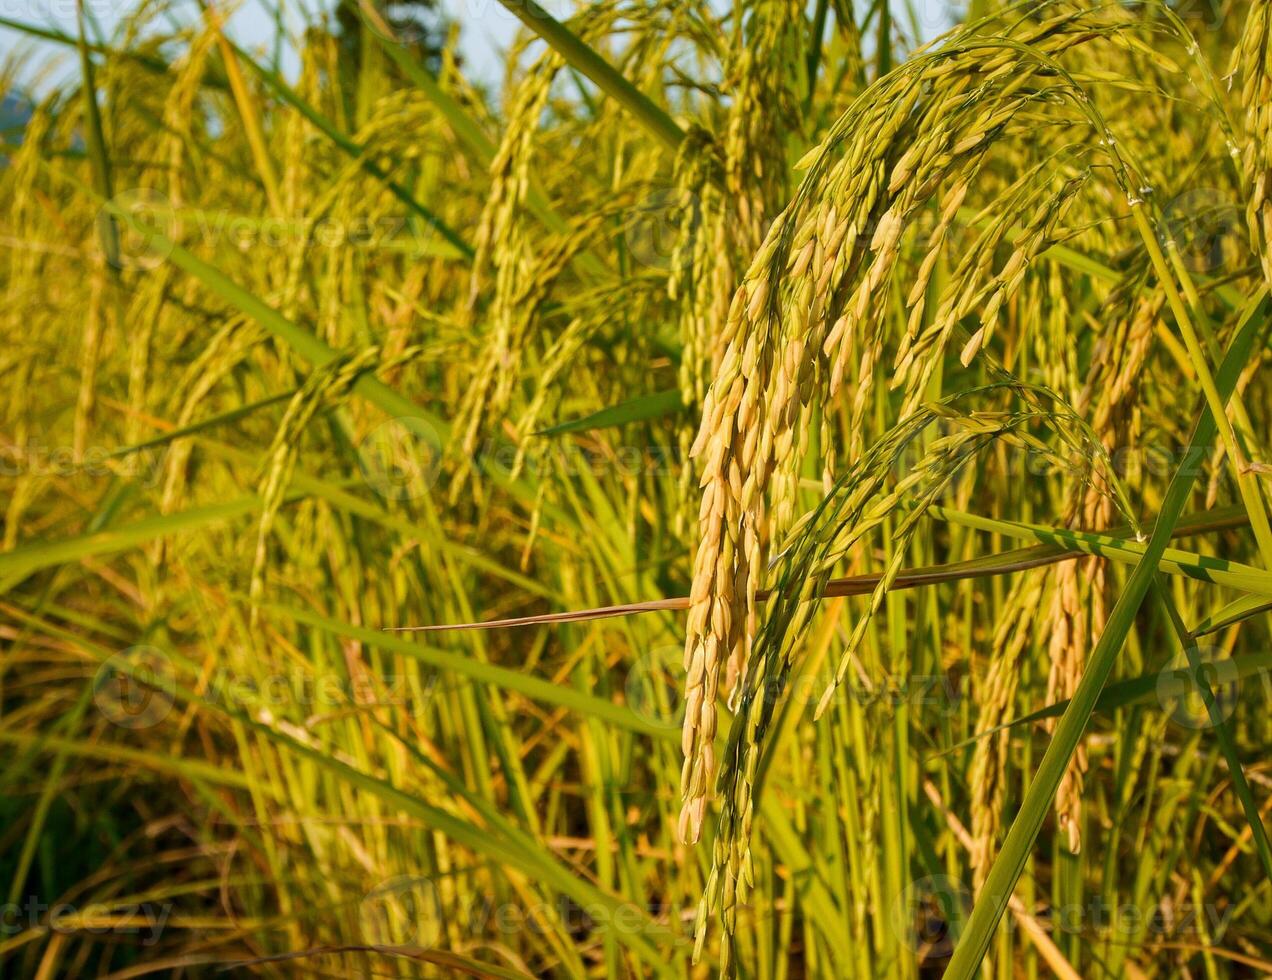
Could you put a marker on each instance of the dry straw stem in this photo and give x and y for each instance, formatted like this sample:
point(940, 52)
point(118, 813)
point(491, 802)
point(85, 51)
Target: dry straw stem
point(1061, 545)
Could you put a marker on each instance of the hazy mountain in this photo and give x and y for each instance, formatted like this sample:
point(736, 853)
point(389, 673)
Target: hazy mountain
point(14, 113)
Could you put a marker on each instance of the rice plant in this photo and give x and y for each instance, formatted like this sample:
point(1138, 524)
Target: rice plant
point(763, 488)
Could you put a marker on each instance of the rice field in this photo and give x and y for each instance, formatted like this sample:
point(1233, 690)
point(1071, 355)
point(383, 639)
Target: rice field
point(764, 489)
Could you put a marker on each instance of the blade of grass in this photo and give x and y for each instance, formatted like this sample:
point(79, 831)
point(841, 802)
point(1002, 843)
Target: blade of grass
point(151, 63)
point(211, 422)
point(634, 410)
point(329, 129)
point(1232, 613)
point(95, 138)
point(1010, 862)
point(247, 112)
point(524, 684)
point(479, 145)
point(163, 762)
point(1144, 688)
point(1004, 563)
point(813, 64)
point(1218, 571)
point(1247, 485)
point(18, 563)
point(1223, 731)
point(590, 64)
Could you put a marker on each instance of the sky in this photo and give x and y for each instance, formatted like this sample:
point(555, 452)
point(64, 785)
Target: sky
point(487, 28)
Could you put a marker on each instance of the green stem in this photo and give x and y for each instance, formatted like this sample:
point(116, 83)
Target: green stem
point(586, 61)
point(479, 146)
point(1203, 568)
point(884, 52)
point(1010, 862)
point(815, 52)
point(1223, 732)
point(1243, 428)
point(1251, 496)
point(252, 127)
point(96, 141)
point(353, 150)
